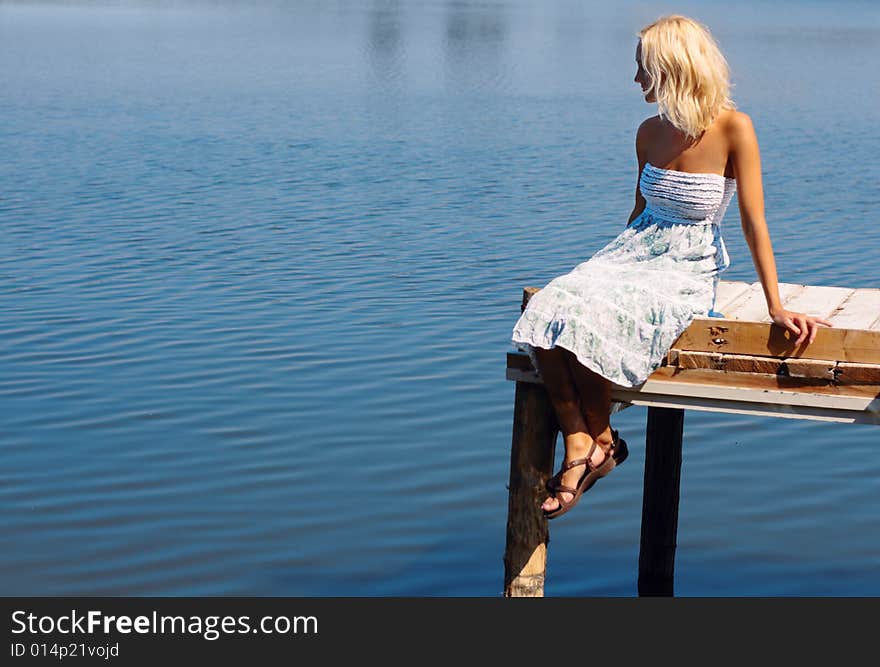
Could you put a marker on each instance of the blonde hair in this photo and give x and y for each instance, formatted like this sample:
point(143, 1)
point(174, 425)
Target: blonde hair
point(690, 77)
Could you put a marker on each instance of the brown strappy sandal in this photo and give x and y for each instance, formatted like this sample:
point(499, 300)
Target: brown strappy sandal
point(619, 450)
point(590, 476)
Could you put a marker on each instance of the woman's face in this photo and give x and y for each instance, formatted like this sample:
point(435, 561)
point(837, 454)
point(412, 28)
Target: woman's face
point(642, 77)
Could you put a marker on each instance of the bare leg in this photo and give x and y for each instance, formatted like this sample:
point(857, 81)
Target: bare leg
point(563, 394)
point(595, 396)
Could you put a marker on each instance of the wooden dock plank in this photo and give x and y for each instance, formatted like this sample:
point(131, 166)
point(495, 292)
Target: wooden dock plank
point(819, 300)
point(758, 388)
point(688, 359)
point(803, 368)
point(746, 393)
point(858, 311)
point(731, 309)
point(755, 338)
point(728, 406)
point(754, 309)
point(743, 363)
point(857, 373)
point(809, 368)
point(727, 292)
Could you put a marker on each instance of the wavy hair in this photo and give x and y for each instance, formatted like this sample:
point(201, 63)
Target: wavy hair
point(689, 75)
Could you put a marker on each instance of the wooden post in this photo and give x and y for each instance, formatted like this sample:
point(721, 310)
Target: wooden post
point(531, 464)
point(660, 501)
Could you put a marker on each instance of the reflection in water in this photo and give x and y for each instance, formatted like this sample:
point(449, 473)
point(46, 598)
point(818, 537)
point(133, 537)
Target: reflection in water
point(475, 37)
point(384, 42)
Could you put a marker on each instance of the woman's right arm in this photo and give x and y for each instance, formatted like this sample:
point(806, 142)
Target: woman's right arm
point(641, 152)
point(750, 194)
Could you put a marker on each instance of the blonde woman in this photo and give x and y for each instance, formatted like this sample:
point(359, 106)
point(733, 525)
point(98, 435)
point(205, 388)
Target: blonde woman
point(613, 318)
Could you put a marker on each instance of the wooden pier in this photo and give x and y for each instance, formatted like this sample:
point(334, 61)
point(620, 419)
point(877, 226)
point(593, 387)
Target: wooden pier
point(739, 363)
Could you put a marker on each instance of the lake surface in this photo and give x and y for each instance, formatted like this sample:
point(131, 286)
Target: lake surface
point(260, 267)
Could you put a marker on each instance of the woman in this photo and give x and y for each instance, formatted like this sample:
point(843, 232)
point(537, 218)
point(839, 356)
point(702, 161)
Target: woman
point(614, 317)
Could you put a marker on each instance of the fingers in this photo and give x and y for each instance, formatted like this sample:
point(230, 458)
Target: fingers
point(815, 323)
point(803, 326)
point(795, 325)
point(814, 329)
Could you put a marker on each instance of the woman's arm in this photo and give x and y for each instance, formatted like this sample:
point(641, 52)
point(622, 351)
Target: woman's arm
point(750, 193)
point(641, 142)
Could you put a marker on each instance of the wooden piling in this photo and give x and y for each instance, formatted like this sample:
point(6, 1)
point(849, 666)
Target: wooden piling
point(531, 465)
point(660, 501)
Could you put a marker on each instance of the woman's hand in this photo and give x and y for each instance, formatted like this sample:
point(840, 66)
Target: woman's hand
point(803, 326)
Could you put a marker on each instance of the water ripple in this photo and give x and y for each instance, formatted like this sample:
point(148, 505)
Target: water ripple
point(254, 311)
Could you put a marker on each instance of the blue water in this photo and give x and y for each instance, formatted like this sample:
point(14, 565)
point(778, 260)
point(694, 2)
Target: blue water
point(260, 266)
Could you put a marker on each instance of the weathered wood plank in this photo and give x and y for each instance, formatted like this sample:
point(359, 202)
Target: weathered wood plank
point(687, 359)
point(755, 338)
point(824, 369)
point(728, 406)
point(788, 292)
point(858, 311)
point(754, 292)
point(740, 363)
point(819, 300)
point(857, 373)
point(755, 394)
point(727, 292)
point(762, 389)
point(766, 395)
point(754, 308)
point(807, 368)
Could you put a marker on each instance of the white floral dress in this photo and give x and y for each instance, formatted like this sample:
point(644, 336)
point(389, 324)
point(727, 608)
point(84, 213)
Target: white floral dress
point(620, 311)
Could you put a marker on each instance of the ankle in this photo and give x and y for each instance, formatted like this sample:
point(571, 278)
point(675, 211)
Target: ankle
point(605, 439)
point(578, 443)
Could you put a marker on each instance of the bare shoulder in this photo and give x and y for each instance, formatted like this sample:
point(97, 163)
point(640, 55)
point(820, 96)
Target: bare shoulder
point(649, 126)
point(647, 133)
point(738, 127)
point(746, 158)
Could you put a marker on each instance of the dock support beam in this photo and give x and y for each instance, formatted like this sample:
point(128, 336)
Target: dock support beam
point(660, 501)
point(531, 465)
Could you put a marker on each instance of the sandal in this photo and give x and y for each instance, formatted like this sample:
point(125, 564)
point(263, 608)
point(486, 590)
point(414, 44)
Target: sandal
point(591, 476)
point(619, 450)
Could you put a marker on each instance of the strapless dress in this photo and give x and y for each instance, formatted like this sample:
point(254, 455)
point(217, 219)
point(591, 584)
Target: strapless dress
point(620, 311)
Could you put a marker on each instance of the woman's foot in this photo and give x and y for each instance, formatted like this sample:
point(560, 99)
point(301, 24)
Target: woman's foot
point(577, 446)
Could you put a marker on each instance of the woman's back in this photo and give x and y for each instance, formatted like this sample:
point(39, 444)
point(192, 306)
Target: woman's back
point(666, 147)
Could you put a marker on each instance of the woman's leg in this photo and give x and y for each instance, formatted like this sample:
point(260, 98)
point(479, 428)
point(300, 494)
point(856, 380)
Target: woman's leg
point(595, 395)
point(562, 390)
